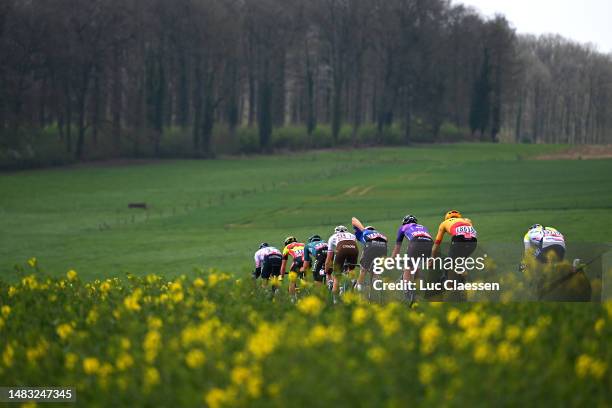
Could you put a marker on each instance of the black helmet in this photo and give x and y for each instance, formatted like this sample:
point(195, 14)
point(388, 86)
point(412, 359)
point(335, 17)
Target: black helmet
point(289, 240)
point(534, 226)
point(264, 245)
point(314, 238)
point(371, 228)
point(409, 219)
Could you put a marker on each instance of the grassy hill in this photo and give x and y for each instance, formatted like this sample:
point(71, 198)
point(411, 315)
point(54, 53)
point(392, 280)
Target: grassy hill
point(214, 213)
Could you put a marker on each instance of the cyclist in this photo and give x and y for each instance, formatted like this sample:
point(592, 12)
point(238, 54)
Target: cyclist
point(267, 262)
point(341, 249)
point(296, 251)
point(374, 246)
point(420, 243)
point(315, 253)
point(544, 243)
point(462, 232)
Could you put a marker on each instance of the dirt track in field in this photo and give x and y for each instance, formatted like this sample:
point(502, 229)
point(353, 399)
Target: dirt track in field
point(586, 152)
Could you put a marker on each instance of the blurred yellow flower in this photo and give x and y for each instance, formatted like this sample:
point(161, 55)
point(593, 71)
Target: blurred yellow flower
point(430, 335)
point(217, 398)
point(154, 322)
point(6, 310)
point(195, 358)
point(32, 262)
point(530, 334)
point(452, 315)
point(105, 286)
point(64, 330)
point(468, 320)
point(483, 353)
point(7, 355)
point(427, 372)
point(513, 332)
point(264, 341)
point(151, 377)
point(198, 282)
point(360, 315)
point(124, 361)
point(70, 360)
point(71, 275)
point(91, 365)
point(151, 345)
point(125, 343)
point(377, 354)
point(92, 317)
point(599, 325)
point(507, 352)
point(311, 305)
point(590, 366)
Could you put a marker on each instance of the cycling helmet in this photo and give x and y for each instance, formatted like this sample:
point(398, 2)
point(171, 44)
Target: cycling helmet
point(289, 240)
point(314, 238)
point(340, 228)
point(452, 214)
point(371, 228)
point(264, 245)
point(534, 226)
point(409, 219)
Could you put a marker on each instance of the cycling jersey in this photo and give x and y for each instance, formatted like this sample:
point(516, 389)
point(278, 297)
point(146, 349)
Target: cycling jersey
point(295, 249)
point(543, 237)
point(313, 249)
point(366, 235)
point(339, 237)
point(412, 231)
point(261, 254)
point(456, 227)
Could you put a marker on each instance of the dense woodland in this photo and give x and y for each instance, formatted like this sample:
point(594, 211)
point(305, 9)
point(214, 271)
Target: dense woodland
point(141, 77)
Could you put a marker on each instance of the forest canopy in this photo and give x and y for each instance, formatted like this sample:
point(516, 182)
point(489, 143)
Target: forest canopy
point(109, 78)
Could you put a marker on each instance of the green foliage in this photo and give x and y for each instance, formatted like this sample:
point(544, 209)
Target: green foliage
point(215, 340)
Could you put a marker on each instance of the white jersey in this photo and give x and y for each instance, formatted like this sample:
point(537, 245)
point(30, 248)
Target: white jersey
point(339, 237)
point(263, 252)
point(540, 238)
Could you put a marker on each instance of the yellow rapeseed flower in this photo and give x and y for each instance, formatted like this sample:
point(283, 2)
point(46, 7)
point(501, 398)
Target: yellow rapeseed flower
point(513, 332)
point(151, 377)
point(124, 361)
point(430, 335)
point(151, 345)
point(199, 282)
point(6, 311)
point(264, 340)
point(530, 334)
point(195, 358)
point(482, 353)
point(216, 398)
point(154, 323)
point(105, 286)
point(32, 262)
point(70, 360)
point(91, 365)
point(310, 305)
point(360, 315)
point(427, 372)
point(71, 275)
point(599, 325)
point(590, 366)
point(452, 315)
point(7, 355)
point(64, 330)
point(377, 354)
point(468, 320)
point(507, 352)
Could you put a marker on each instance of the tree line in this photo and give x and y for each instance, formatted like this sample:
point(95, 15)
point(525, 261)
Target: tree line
point(126, 72)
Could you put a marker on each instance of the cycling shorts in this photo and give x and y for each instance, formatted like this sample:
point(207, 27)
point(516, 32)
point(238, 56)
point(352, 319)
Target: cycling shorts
point(346, 253)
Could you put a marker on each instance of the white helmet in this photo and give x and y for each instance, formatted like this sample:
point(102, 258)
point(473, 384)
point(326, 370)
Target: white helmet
point(340, 228)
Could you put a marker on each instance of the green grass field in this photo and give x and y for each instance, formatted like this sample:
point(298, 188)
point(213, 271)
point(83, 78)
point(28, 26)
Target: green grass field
point(214, 213)
point(211, 338)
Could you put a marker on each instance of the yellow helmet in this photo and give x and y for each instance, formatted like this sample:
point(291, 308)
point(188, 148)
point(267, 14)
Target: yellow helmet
point(452, 214)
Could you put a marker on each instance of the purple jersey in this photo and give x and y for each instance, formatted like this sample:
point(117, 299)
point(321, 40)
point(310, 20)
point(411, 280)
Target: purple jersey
point(411, 231)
